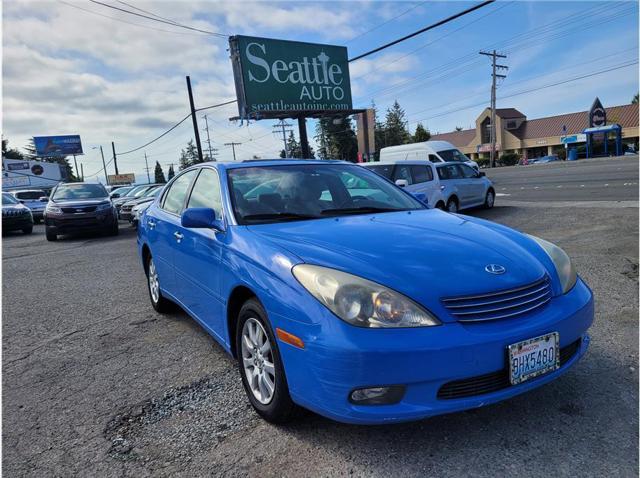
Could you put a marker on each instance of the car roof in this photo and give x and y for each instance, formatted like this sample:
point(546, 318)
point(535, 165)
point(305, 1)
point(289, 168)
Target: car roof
point(419, 162)
point(252, 163)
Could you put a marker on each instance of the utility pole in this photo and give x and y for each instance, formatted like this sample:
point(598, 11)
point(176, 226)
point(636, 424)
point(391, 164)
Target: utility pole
point(304, 142)
point(75, 161)
point(211, 150)
point(233, 147)
point(494, 76)
point(147, 168)
point(286, 127)
point(82, 171)
point(115, 159)
point(195, 120)
point(104, 166)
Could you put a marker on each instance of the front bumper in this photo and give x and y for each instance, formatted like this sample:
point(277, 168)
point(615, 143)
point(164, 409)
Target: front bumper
point(342, 358)
point(71, 223)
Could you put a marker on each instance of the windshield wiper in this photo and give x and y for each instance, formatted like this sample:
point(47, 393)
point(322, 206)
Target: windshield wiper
point(277, 215)
point(359, 210)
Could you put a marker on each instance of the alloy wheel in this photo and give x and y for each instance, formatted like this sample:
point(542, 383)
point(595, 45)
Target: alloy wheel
point(154, 286)
point(257, 361)
point(452, 206)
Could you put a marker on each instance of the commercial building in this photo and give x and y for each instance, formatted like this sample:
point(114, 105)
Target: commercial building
point(532, 138)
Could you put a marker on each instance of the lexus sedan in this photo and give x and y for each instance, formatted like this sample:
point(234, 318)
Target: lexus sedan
point(79, 207)
point(339, 292)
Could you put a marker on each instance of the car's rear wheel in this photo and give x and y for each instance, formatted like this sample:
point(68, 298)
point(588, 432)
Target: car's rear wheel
point(51, 236)
point(440, 205)
point(159, 303)
point(452, 205)
point(260, 365)
point(490, 199)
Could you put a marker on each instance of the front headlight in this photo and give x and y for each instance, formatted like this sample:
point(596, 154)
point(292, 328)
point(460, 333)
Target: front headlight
point(50, 209)
point(359, 301)
point(104, 207)
point(562, 262)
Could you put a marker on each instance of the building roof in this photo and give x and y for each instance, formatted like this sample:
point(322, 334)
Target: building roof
point(508, 113)
point(625, 115)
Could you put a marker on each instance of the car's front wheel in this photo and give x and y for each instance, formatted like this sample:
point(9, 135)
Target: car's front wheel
point(489, 199)
point(28, 230)
point(452, 205)
point(51, 236)
point(159, 303)
point(261, 366)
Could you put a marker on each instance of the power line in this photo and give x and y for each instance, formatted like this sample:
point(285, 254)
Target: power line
point(385, 23)
point(172, 23)
point(422, 30)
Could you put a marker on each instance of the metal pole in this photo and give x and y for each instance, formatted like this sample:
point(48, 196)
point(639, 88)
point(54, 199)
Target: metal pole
point(195, 120)
point(206, 122)
point(76, 164)
point(304, 142)
point(147, 168)
point(115, 159)
point(492, 161)
point(104, 166)
point(82, 171)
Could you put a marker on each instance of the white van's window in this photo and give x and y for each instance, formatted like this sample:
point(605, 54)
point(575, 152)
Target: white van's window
point(452, 155)
point(421, 174)
point(434, 159)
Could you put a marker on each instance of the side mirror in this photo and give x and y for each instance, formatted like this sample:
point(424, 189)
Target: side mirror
point(403, 183)
point(201, 218)
point(44, 199)
point(422, 197)
point(482, 174)
point(21, 201)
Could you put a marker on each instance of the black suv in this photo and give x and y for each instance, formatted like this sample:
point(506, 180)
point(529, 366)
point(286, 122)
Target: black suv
point(79, 207)
point(15, 216)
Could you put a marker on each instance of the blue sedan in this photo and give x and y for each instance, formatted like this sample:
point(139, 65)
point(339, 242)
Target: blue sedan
point(339, 292)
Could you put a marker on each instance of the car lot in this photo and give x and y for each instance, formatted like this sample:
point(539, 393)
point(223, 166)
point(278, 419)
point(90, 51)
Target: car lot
point(96, 383)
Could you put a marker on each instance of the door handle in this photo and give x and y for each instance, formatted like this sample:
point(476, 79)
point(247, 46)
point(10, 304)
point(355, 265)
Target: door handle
point(152, 224)
point(178, 236)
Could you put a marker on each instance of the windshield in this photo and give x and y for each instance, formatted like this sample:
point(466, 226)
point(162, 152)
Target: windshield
point(9, 199)
point(30, 194)
point(150, 192)
point(452, 155)
point(79, 191)
point(134, 191)
point(121, 191)
point(300, 191)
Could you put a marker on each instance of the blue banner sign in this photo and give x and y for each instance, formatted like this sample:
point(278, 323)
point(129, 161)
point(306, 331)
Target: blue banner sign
point(47, 146)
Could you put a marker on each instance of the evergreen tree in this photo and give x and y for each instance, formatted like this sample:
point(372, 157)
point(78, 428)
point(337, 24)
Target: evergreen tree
point(10, 153)
point(159, 174)
point(171, 173)
point(188, 156)
point(337, 139)
point(459, 128)
point(395, 126)
point(634, 101)
point(294, 148)
point(421, 134)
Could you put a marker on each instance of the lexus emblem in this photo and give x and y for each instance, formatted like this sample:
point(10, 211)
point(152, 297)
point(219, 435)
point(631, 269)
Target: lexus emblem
point(495, 269)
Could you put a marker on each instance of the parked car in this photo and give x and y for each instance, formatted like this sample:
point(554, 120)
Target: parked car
point(15, 215)
point(79, 207)
point(31, 199)
point(117, 192)
point(434, 151)
point(134, 193)
point(138, 211)
point(545, 159)
point(448, 186)
point(148, 195)
point(360, 303)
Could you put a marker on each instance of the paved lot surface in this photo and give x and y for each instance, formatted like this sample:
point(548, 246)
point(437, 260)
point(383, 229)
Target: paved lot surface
point(602, 179)
point(95, 383)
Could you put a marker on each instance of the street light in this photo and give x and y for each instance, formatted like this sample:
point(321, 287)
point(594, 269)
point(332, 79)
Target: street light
point(106, 178)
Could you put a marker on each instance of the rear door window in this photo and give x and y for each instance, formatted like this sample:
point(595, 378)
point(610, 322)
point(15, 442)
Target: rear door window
point(421, 174)
point(403, 172)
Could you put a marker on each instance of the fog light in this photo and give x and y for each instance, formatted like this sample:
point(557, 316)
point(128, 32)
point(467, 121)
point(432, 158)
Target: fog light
point(377, 395)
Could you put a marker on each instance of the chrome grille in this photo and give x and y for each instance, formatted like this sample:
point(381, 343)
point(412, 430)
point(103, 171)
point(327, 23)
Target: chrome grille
point(501, 304)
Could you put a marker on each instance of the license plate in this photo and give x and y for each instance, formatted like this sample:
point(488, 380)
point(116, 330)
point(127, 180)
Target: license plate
point(534, 357)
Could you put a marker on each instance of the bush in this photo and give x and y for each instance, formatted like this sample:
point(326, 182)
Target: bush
point(509, 159)
point(483, 162)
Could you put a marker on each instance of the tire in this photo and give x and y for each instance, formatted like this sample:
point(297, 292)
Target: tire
point(115, 230)
point(440, 205)
point(158, 302)
point(28, 230)
point(51, 236)
point(278, 406)
point(452, 205)
point(490, 199)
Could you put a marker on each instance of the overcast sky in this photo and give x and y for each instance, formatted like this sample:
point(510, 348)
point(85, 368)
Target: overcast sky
point(75, 67)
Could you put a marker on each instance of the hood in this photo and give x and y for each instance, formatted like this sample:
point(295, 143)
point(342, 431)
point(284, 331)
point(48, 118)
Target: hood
point(80, 202)
point(426, 254)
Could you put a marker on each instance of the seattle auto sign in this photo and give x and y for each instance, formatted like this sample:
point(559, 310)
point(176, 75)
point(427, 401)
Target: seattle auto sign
point(277, 76)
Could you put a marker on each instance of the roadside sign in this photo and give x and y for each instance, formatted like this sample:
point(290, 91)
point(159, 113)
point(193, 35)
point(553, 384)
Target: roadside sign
point(279, 76)
point(57, 146)
point(597, 114)
point(126, 178)
point(575, 138)
point(14, 182)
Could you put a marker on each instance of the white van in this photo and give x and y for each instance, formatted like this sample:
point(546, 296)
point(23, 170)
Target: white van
point(434, 151)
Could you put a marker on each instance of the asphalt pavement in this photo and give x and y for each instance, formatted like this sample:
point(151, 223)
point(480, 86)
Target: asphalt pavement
point(95, 383)
point(601, 179)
